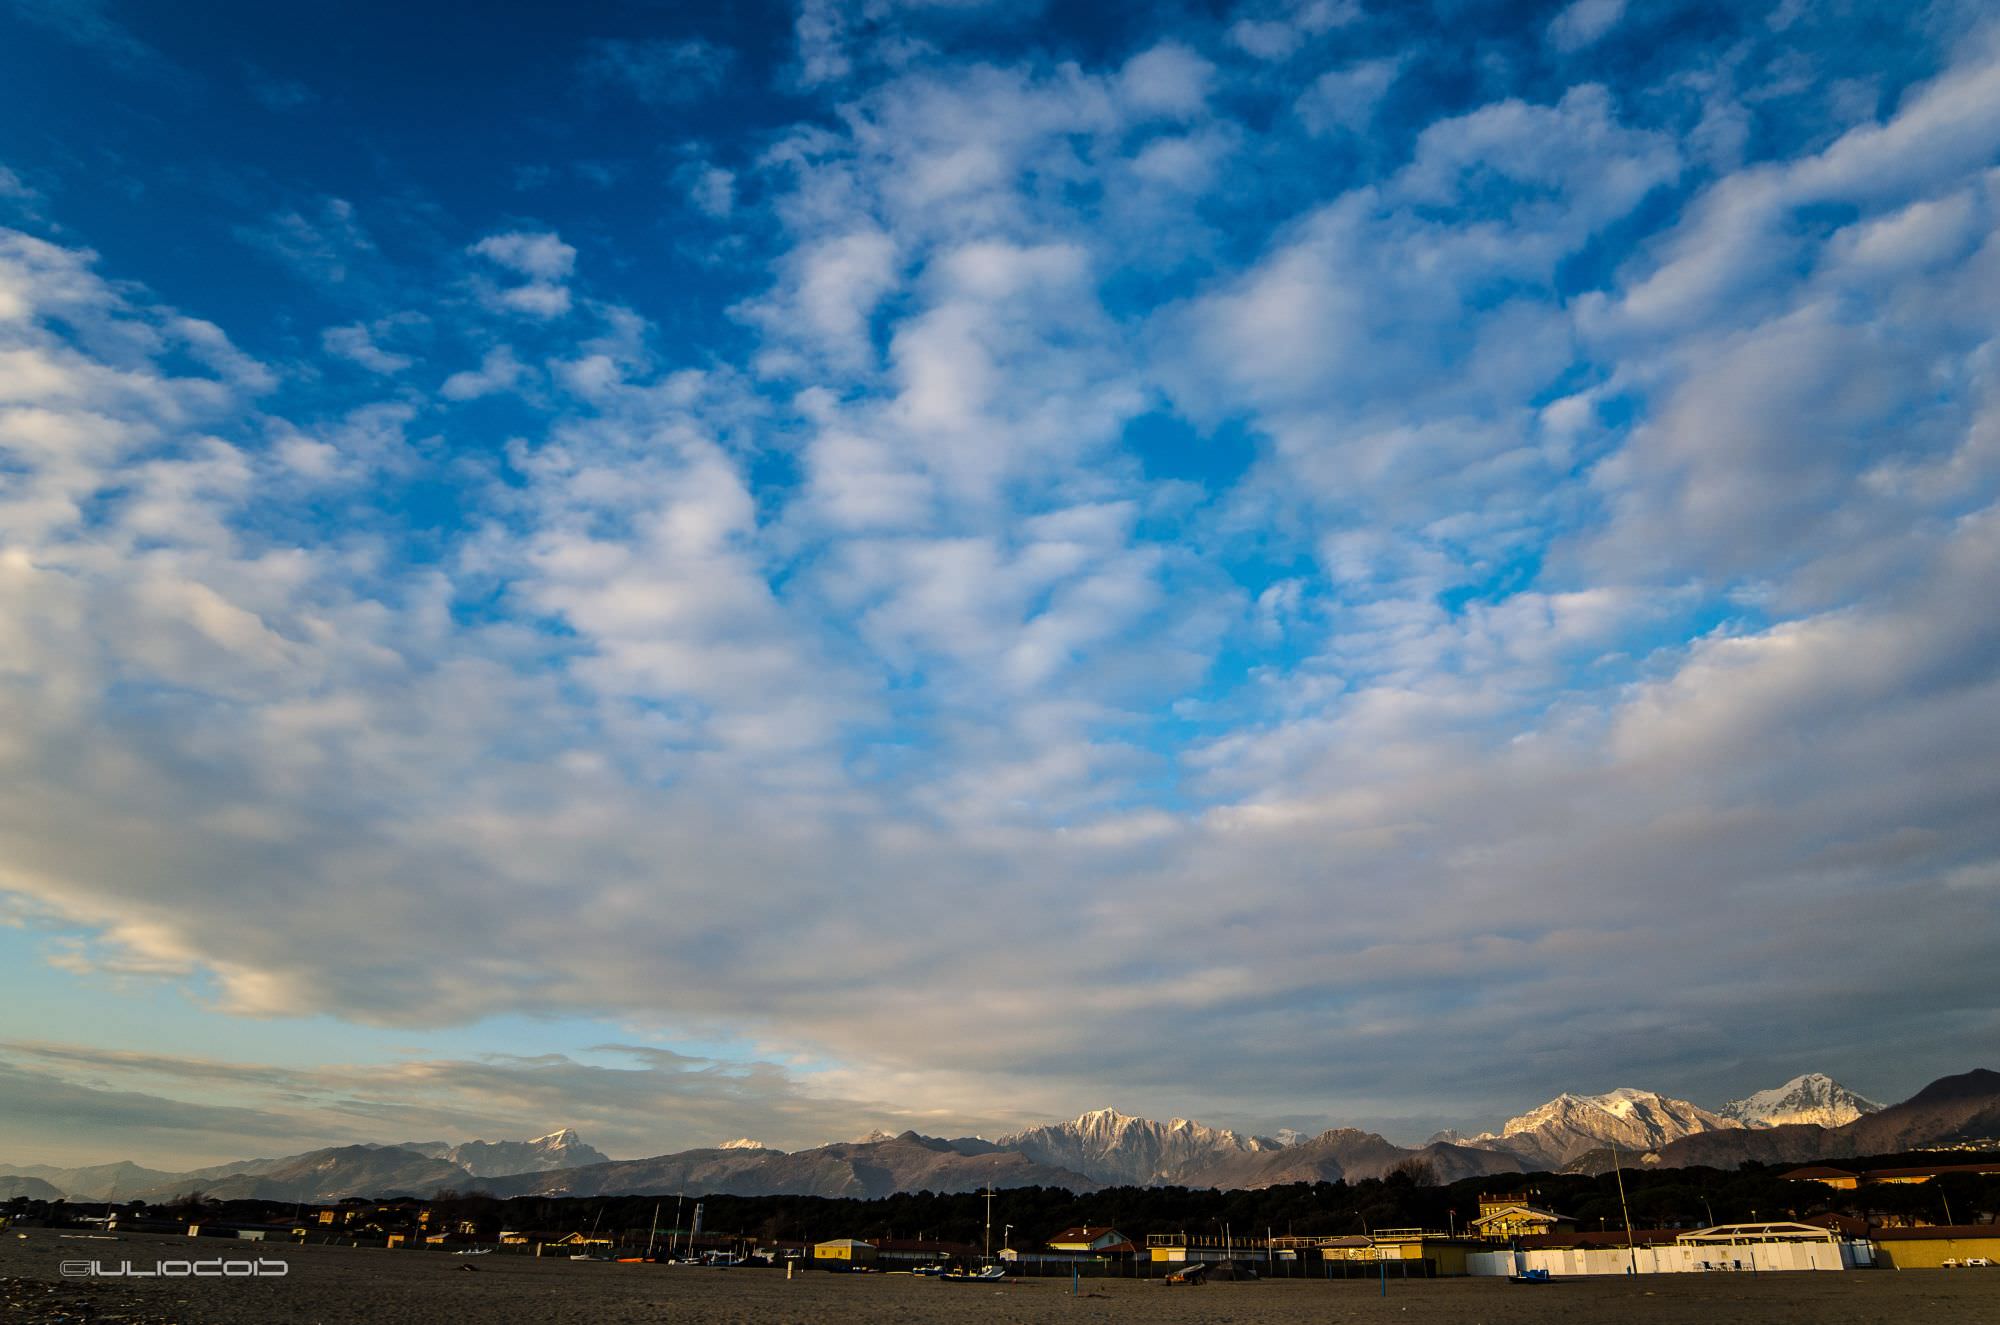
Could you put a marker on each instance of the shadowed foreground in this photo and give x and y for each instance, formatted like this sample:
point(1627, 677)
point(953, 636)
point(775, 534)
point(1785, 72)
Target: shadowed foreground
point(335, 1285)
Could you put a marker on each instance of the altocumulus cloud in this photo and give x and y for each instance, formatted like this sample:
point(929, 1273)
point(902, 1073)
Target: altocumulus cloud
point(1566, 590)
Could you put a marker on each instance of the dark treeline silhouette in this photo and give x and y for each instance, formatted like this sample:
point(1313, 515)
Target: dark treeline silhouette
point(1689, 1198)
point(1658, 1198)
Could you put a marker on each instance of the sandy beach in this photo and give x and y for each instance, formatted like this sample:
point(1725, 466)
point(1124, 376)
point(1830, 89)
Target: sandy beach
point(338, 1285)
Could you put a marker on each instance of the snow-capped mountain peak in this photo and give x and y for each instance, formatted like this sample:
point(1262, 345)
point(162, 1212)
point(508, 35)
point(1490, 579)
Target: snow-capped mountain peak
point(1115, 1147)
point(1570, 1126)
point(1811, 1098)
point(743, 1143)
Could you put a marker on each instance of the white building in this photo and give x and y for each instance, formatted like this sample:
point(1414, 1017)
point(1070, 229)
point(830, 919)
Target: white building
point(1725, 1248)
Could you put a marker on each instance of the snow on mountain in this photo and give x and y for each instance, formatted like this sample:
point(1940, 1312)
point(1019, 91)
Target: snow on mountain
point(560, 1149)
point(1569, 1126)
point(1116, 1148)
point(1811, 1098)
point(743, 1143)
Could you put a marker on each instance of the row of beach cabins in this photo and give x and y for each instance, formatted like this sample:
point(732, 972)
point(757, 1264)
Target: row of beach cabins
point(1512, 1237)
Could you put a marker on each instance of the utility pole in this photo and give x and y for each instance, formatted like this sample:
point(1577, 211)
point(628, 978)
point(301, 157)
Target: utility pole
point(1631, 1250)
point(988, 1252)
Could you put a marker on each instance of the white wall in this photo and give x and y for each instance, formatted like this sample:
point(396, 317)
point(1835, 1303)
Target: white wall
point(1671, 1258)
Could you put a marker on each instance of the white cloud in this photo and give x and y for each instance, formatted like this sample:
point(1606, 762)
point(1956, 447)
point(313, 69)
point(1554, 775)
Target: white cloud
point(1416, 651)
point(356, 344)
point(1275, 33)
point(16, 189)
point(543, 259)
point(322, 244)
point(1168, 80)
point(714, 192)
point(1346, 98)
point(660, 71)
point(1266, 39)
point(498, 371)
point(1584, 22)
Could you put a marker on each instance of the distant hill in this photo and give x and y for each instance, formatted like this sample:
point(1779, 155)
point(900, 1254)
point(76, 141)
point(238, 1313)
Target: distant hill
point(34, 1189)
point(1102, 1148)
point(93, 1182)
point(321, 1175)
point(1948, 1111)
point(849, 1168)
point(560, 1149)
point(1348, 1154)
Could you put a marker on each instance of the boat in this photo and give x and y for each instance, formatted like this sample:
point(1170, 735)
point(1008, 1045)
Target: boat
point(474, 1251)
point(992, 1274)
point(1535, 1276)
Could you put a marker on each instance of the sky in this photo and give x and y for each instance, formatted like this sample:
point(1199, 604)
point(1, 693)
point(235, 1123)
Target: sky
point(778, 570)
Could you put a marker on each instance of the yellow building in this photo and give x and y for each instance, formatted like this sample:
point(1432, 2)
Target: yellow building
point(1943, 1247)
point(1404, 1251)
point(580, 1242)
point(1506, 1217)
point(1848, 1180)
point(843, 1254)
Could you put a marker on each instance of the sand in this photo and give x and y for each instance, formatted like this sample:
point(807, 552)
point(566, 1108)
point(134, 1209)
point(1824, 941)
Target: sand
point(336, 1285)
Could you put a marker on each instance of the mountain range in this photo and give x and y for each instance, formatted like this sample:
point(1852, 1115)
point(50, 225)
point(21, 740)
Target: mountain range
point(560, 1149)
point(1809, 1117)
point(1570, 1126)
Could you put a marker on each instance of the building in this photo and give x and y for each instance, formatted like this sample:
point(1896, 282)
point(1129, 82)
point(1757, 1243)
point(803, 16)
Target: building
point(580, 1243)
point(1759, 1247)
point(906, 1253)
point(1506, 1217)
point(1940, 1247)
point(1849, 1179)
point(1091, 1238)
point(1405, 1252)
point(843, 1254)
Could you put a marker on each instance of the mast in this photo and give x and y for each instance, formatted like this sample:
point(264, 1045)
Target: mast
point(653, 1232)
point(1631, 1251)
point(989, 1223)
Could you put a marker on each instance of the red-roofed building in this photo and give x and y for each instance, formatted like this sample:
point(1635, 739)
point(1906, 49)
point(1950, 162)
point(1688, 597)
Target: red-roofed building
point(1091, 1238)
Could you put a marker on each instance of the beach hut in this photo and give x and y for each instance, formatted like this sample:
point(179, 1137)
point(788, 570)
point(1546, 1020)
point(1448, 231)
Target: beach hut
point(843, 1254)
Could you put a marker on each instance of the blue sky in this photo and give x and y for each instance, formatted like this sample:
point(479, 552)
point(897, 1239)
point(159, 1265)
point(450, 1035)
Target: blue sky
point(780, 570)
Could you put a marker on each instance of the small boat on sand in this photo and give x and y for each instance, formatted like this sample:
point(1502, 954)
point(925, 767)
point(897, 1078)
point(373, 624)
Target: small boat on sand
point(992, 1274)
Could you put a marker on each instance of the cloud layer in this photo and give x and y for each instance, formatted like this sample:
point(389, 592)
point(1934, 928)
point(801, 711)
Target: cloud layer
point(1204, 553)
